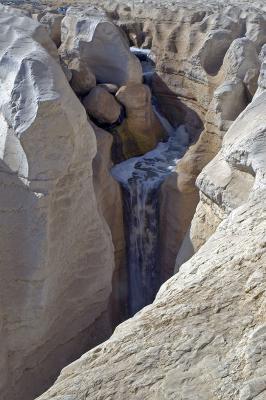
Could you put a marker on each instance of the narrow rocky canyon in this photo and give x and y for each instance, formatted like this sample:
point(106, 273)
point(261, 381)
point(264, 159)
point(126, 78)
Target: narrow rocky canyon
point(132, 200)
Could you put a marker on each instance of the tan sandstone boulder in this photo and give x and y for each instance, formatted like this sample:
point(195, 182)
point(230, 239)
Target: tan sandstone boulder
point(102, 106)
point(141, 130)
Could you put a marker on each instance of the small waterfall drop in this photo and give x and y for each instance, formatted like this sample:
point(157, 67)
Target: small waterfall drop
point(141, 178)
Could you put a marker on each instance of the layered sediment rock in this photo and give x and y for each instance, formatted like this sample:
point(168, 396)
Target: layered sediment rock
point(57, 255)
point(204, 335)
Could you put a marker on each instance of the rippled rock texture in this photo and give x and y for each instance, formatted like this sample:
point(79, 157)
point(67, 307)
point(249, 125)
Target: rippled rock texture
point(57, 255)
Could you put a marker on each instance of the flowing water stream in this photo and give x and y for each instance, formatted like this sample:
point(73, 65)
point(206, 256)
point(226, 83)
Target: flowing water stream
point(141, 178)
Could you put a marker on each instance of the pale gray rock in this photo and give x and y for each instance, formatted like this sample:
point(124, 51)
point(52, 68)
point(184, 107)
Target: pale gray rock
point(110, 205)
point(57, 255)
point(91, 36)
point(15, 11)
point(227, 181)
point(256, 29)
point(34, 29)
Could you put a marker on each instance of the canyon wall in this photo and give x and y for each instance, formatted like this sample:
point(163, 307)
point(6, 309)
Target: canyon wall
point(206, 71)
point(204, 335)
point(57, 256)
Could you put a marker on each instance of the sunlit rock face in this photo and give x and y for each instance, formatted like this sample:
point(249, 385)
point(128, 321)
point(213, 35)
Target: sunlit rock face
point(57, 256)
point(91, 36)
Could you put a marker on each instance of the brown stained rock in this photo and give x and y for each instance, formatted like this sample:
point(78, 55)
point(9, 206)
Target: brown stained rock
point(141, 130)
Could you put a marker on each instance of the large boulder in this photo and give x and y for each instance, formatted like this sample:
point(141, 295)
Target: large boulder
point(141, 130)
point(91, 36)
point(102, 106)
point(57, 256)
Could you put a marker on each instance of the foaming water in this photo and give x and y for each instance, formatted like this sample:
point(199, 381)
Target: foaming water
point(141, 178)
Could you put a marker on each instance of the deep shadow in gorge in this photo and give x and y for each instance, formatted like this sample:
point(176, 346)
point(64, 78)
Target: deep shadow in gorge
point(143, 204)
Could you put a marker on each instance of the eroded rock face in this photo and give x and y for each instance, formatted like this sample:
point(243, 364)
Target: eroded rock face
point(57, 256)
point(204, 334)
point(232, 88)
point(207, 67)
point(91, 36)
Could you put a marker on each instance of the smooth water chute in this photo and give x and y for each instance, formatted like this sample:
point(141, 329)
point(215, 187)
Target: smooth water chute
point(141, 209)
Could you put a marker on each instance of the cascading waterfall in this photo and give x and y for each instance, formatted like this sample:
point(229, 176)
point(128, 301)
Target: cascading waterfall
point(141, 178)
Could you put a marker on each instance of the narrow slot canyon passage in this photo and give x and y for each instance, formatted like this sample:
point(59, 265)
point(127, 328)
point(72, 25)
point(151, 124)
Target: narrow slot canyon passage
point(141, 179)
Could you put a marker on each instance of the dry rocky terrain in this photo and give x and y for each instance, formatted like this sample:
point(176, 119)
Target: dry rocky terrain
point(75, 100)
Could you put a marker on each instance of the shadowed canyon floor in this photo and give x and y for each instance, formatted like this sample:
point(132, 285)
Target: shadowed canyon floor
point(119, 168)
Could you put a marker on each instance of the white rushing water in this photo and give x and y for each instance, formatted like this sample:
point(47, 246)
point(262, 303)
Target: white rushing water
point(141, 178)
